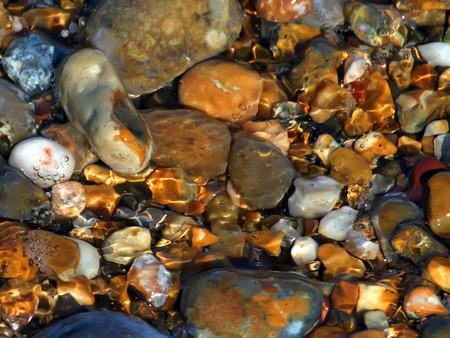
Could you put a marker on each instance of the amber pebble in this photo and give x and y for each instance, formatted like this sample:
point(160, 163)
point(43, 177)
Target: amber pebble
point(18, 303)
point(190, 140)
point(347, 167)
point(79, 288)
point(202, 237)
point(54, 255)
point(68, 199)
point(423, 4)
point(337, 262)
point(358, 123)
point(225, 90)
point(345, 296)
point(444, 80)
point(14, 263)
point(400, 70)
point(408, 146)
point(328, 332)
point(424, 76)
point(177, 227)
point(270, 131)
point(272, 92)
point(175, 255)
point(172, 187)
point(438, 206)
point(438, 270)
point(259, 174)
point(47, 18)
point(102, 175)
point(374, 145)
point(283, 10)
point(377, 297)
point(267, 240)
point(423, 302)
point(102, 229)
point(101, 199)
point(368, 334)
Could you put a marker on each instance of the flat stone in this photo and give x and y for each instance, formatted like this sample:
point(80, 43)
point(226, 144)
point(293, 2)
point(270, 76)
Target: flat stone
point(348, 167)
point(438, 206)
point(190, 140)
point(259, 173)
point(152, 42)
point(238, 303)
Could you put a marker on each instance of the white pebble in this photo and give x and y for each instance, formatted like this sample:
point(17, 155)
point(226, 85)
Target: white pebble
point(337, 223)
point(438, 142)
point(43, 161)
point(313, 197)
point(304, 250)
point(287, 227)
point(89, 265)
point(437, 127)
point(324, 146)
point(376, 320)
point(436, 53)
point(360, 246)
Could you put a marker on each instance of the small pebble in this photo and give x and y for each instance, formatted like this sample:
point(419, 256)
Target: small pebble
point(337, 223)
point(304, 250)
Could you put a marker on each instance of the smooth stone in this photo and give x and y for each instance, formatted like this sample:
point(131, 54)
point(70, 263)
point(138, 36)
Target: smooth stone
point(89, 265)
point(151, 278)
point(259, 173)
point(348, 167)
point(377, 296)
point(324, 146)
point(421, 168)
point(438, 206)
point(68, 199)
point(152, 42)
point(43, 161)
point(225, 90)
point(100, 324)
point(435, 327)
point(283, 10)
point(304, 250)
point(125, 244)
point(16, 116)
point(271, 131)
point(19, 197)
point(95, 101)
point(381, 184)
point(289, 228)
point(313, 197)
point(437, 271)
point(436, 53)
point(374, 145)
point(337, 261)
point(436, 127)
point(337, 223)
point(190, 140)
point(360, 246)
point(422, 302)
point(376, 319)
point(413, 241)
point(240, 303)
point(31, 60)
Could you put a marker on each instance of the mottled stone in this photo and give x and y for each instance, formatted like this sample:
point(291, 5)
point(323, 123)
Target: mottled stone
point(377, 297)
point(270, 131)
point(95, 101)
point(374, 145)
point(259, 173)
point(360, 246)
point(337, 223)
point(283, 10)
point(345, 296)
point(100, 323)
point(225, 90)
point(347, 167)
point(422, 302)
point(255, 304)
point(337, 262)
point(16, 117)
point(151, 42)
point(437, 271)
point(190, 140)
point(68, 199)
point(19, 197)
point(438, 206)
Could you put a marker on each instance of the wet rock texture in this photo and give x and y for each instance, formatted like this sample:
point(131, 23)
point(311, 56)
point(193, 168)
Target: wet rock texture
point(189, 140)
point(225, 303)
point(163, 38)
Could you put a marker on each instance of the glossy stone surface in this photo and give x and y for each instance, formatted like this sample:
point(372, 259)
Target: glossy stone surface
point(19, 197)
point(337, 223)
point(283, 10)
point(347, 167)
point(95, 100)
point(422, 302)
point(337, 261)
point(438, 206)
point(259, 173)
point(190, 140)
point(162, 39)
point(223, 303)
point(435, 327)
point(100, 323)
point(437, 271)
point(225, 90)
point(16, 116)
point(68, 199)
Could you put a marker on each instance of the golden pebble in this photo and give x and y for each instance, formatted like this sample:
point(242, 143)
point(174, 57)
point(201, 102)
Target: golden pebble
point(79, 288)
point(423, 302)
point(373, 145)
point(202, 237)
point(348, 167)
point(400, 70)
point(101, 199)
point(118, 289)
point(102, 175)
point(358, 123)
point(438, 271)
point(438, 206)
point(172, 187)
point(408, 146)
point(272, 92)
point(368, 334)
point(102, 229)
point(328, 331)
point(345, 296)
point(174, 256)
point(337, 261)
point(47, 18)
point(177, 227)
point(444, 80)
point(424, 77)
point(225, 90)
point(289, 36)
point(267, 240)
point(283, 10)
point(377, 297)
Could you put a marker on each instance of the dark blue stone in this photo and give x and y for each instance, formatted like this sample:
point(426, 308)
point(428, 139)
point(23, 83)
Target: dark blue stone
point(100, 324)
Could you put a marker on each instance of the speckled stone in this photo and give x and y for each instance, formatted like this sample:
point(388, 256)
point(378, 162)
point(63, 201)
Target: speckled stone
point(256, 304)
point(153, 41)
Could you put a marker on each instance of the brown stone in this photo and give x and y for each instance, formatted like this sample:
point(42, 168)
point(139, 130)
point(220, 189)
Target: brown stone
point(54, 255)
point(270, 131)
point(225, 90)
point(267, 240)
point(79, 288)
point(345, 296)
point(424, 77)
point(328, 332)
point(368, 334)
point(101, 199)
point(348, 167)
point(190, 140)
point(377, 297)
point(272, 92)
point(283, 10)
point(422, 302)
point(337, 261)
point(151, 42)
point(438, 205)
point(437, 270)
point(202, 237)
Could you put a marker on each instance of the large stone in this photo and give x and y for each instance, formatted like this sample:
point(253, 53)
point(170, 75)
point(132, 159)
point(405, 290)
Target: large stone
point(260, 174)
point(153, 41)
point(190, 140)
point(238, 303)
point(438, 206)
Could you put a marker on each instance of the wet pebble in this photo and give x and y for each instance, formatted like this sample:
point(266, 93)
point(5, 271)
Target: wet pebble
point(337, 261)
point(347, 167)
point(422, 302)
point(360, 246)
point(438, 207)
point(68, 199)
point(304, 250)
point(337, 223)
point(436, 53)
